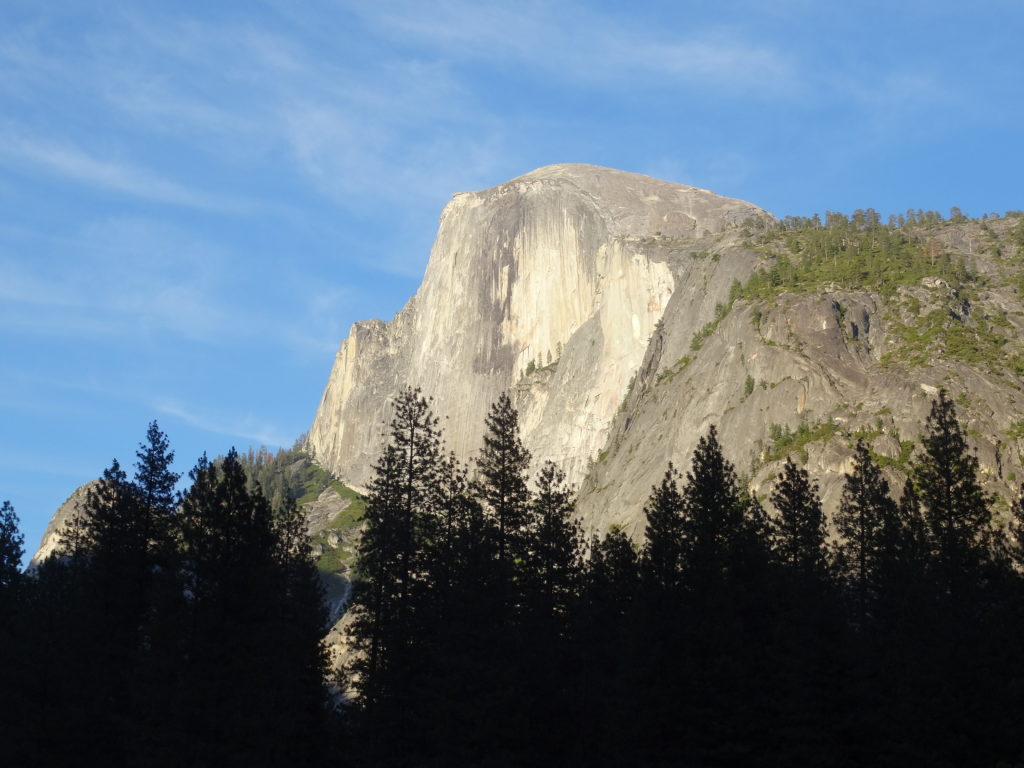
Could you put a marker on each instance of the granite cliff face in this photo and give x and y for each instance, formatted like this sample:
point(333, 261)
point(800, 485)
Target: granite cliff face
point(607, 304)
point(549, 286)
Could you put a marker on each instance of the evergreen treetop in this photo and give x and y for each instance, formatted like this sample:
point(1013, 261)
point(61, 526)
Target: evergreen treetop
point(714, 523)
point(866, 521)
point(799, 526)
point(12, 549)
point(502, 484)
point(956, 509)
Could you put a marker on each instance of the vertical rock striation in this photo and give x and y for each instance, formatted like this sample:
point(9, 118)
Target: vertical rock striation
point(549, 286)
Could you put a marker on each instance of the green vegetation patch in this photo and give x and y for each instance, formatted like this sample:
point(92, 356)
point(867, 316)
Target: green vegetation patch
point(786, 441)
point(854, 253)
point(292, 475)
point(940, 332)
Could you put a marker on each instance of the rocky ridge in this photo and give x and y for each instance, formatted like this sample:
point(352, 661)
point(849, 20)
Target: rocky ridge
point(611, 306)
point(549, 285)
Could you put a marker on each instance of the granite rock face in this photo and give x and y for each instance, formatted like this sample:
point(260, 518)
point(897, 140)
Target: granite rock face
point(549, 286)
point(602, 301)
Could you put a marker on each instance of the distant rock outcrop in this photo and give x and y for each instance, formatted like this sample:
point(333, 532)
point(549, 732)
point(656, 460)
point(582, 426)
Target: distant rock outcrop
point(65, 513)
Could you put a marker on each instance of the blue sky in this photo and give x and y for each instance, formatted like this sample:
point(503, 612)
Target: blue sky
point(197, 199)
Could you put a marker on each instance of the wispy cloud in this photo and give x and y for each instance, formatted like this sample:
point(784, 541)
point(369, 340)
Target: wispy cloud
point(573, 42)
point(119, 278)
point(247, 428)
point(76, 164)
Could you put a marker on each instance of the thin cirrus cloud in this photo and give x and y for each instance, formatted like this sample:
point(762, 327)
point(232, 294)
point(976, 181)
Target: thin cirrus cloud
point(116, 278)
point(245, 428)
point(575, 43)
point(73, 163)
point(358, 131)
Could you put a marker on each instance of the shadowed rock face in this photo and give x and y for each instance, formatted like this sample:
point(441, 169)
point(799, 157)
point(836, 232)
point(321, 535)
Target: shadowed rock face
point(564, 285)
point(65, 513)
point(549, 286)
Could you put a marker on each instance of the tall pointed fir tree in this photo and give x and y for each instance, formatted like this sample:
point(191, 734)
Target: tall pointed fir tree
point(867, 524)
point(13, 682)
point(503, 490)
point(956, 509)
point(723, 567)
point(661, 559)
point(11, 551)
point(555, 548)
point(551, 584)
point(107, 568)
point(455, 703)
point(799, 525)
point(716, 526)
point(392, 589)
point(606, 647)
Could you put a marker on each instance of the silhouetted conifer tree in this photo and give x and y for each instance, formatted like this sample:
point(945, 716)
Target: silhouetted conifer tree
point(661, 559)
point(395, 599)
point(456, 704)
point(253, 684)
point(715, 526)
point(555, 544)
point(502, 483)
point(11, 551)
point(14, 683)
point(956, 509)
point(608, 648)
point(799, 525)
point(867, 524)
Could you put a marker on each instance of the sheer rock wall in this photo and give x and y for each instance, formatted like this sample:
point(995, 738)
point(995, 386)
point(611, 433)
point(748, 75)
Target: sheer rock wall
point(549, 286)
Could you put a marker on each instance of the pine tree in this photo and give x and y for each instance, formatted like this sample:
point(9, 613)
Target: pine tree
point(11, 551)
point(462, 630)
point(956, 509)
point(554, 545)
point(16, 681)
point(403, 519)
point(502, 485)
point(716, 530)
point(108, 564)
point(866, 522)
point(606, 646)
point(612, 572)
point(661, 559)
point(153, 474)
point(799, 526)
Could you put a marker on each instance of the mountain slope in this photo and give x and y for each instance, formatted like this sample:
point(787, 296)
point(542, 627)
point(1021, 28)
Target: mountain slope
point(550, 285)
point(626, 315)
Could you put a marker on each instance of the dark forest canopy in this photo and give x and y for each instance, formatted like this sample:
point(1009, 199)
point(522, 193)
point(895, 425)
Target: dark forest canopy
point(169, 629)
point(186, 628)
point(488, 632)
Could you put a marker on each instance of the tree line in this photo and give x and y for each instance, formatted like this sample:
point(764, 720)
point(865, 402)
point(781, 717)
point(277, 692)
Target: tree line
point(169, 629)
point(486, 631)
point(186, 628)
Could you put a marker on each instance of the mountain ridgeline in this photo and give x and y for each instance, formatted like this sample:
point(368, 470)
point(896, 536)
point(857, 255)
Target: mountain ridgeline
point(625, 315)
